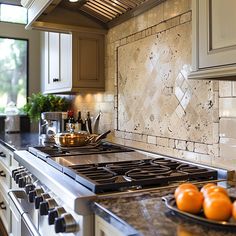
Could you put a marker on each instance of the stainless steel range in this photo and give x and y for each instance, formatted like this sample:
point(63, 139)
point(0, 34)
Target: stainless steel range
point(57, 184)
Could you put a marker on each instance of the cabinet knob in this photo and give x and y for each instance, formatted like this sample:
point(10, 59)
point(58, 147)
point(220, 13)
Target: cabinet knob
point(55, 79)
point(2, 154)
point(2, 173)
point(3, 206)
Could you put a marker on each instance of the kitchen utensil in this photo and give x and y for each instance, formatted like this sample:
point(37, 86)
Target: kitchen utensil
point(77, 139)
point(72, 139)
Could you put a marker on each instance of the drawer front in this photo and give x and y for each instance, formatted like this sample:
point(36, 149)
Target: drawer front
point(5, 155)
point(5, 177)
point(5, 211)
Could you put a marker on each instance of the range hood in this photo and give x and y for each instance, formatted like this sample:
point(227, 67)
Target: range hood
point(101, 14)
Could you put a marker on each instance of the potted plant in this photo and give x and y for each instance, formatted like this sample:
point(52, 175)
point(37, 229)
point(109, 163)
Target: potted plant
point(39, 103)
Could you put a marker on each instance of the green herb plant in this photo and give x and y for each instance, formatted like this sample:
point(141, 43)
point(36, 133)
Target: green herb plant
point(39, 103)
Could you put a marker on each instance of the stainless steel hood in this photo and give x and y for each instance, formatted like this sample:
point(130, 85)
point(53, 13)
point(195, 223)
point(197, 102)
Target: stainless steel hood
point(100, 14)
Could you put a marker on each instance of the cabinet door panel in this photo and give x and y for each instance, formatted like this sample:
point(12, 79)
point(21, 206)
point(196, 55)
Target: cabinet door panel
point(65, 60)
point(53, 49)
point(217, 44)
point(88, 60)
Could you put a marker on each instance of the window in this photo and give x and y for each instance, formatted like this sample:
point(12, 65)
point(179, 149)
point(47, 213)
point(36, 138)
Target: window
point(13, 72)
point(13, 14)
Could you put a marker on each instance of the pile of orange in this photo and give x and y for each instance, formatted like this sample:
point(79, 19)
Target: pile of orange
point(213, 199)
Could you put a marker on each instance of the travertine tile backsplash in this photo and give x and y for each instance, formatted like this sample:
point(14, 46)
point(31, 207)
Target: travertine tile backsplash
point(150, 103)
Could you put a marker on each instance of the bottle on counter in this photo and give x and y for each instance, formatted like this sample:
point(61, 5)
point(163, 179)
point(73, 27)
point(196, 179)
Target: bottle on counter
point(70, 123)
point(79, 123)
point(88, 123)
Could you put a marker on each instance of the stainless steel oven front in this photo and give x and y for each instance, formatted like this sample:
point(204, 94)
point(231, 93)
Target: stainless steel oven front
point(47, 202)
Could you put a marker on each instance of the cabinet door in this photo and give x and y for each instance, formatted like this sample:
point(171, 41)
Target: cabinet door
point(58, 62)
point(217, 33)
point(88, 61)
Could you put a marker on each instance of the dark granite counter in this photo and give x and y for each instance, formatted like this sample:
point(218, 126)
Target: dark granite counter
point(146, 214)
point(19, 141)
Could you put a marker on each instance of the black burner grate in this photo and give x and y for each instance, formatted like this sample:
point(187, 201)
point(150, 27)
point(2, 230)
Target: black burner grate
point(105, 177)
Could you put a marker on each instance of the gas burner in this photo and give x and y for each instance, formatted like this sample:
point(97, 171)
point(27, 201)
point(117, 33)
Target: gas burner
point(122, 167)
point(166, 162)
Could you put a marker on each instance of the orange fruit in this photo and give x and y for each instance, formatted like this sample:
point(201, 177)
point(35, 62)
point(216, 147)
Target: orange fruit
point(217, 206)
point(234, 209)
point(206, 186)
point(215, 189)
point(190, 200)
point(183, 187)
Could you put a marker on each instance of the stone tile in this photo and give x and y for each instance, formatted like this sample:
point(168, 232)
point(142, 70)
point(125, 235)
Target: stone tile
point(225, 88)
point(172, 22)
point(201, 148)
point(173, 8)
point(190, 146)
point(152, 139)
point(180, 144)
point(228, 148)
point(162, 141)
point(227, 107)
point(171, 143)
point(185, 17)
point(160, 27)
point(233, 88)
point(227, 128)
point(215, 132)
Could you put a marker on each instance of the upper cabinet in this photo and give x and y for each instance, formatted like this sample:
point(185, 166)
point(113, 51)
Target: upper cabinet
point(73, 62)
point(214, 39)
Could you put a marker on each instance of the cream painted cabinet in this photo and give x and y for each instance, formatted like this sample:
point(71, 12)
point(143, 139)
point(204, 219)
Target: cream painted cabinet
point(58, 61)
point(214, 39)
point(73, 62)
point(7, 164)
point(102, 228)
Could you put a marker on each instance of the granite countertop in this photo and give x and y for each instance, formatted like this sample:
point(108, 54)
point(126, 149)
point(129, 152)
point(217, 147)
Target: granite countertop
point(19, 141)
point(146, 214)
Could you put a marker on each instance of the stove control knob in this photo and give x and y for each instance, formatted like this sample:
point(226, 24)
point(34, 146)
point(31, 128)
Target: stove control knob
point(40, 198)
point(66, 223)
point(47, 205)
point(18, 172)
point(15, 171)
point(19, 175)
point(55, 213)
point(24, 180)
point(29, 187)
point(33, 193)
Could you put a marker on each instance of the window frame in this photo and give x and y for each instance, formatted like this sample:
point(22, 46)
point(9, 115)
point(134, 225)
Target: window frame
point(27, 63)
point(10, 22)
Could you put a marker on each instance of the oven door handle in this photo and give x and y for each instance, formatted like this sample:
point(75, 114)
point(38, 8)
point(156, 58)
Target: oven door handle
point(15, 195)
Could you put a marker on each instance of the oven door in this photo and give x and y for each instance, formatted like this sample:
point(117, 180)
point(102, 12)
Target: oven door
point(24, 217)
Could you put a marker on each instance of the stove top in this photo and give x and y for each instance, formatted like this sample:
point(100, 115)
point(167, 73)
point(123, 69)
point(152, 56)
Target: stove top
point(110, 168)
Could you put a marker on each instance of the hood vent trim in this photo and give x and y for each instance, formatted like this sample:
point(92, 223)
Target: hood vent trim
point(111, 12)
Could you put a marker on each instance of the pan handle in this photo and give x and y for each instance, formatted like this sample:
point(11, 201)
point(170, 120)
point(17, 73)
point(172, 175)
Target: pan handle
point(102, 136)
